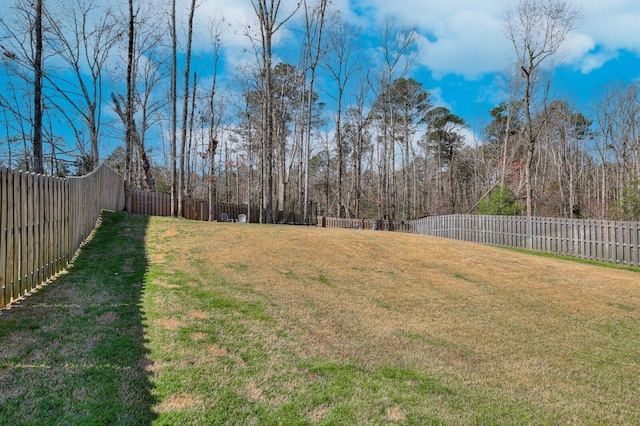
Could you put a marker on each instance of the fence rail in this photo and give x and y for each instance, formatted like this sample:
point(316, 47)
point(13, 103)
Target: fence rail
point(602, 240)
point(44, 220)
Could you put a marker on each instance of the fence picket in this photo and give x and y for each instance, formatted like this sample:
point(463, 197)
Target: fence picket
point(44, 219)
point(4, 236)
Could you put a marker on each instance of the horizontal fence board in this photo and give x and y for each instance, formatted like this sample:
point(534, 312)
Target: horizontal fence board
point(44, 220)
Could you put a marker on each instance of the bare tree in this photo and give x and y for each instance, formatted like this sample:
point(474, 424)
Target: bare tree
point(537, 29)
point(214, 117)
point(185, 110)
point(341, 66)
point(24, 56)
point(399, 52)
point(85, 46)
point(314, 27)
point(267, 12)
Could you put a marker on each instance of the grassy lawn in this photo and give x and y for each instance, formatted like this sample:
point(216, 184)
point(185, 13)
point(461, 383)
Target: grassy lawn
point(165, 321)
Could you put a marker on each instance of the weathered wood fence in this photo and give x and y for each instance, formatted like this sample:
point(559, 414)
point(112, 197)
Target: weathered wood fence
point(380, 225)
point(44, 220)
point(601, 240)
point(153, 204)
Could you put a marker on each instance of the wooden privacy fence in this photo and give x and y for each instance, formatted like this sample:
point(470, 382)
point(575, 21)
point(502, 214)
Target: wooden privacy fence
point(153, 204)
point(379, 225)
point(44, 220)
point(601, 240)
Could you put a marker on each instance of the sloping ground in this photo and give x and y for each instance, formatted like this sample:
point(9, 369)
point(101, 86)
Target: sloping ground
point(212, 323)
point(502, 336)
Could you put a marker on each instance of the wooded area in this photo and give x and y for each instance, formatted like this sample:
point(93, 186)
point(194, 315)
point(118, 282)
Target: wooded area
point(318, 120)
point(44, 220)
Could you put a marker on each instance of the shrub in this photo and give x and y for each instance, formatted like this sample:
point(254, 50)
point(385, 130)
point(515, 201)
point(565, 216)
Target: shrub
point(629, 203)
point(500, 201)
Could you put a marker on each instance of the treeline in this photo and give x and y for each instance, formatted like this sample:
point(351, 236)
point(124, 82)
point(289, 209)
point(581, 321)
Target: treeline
point(327, 119)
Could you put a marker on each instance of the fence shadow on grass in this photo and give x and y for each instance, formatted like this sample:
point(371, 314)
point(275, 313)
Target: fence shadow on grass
point(74, 352)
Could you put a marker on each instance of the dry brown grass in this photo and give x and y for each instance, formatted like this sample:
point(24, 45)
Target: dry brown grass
point(179, 402)
point(529, 327)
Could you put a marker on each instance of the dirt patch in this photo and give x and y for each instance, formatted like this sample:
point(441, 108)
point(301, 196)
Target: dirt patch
point(165, 284)
point(278, 400)
point(179, 403)
point(319, 413)
point(216, 350)
point(171, 232)
point(170, 323)
point(198, 314)
point(158, 257)
point(395, 414)
point(253, 391)
point(198, 336)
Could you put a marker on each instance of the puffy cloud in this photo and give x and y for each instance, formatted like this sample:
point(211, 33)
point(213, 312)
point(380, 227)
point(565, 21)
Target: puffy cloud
point(435, 96)
point(469, 43)
point(466, 37)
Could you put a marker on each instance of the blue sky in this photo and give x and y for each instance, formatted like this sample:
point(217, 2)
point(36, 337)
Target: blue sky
point(464, 53)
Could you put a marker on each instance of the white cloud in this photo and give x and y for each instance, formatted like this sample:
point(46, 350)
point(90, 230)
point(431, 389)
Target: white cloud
point(469, 43)
point(469, 136)
point(613, 24)
point(594, 61)
point(466, 37)
point(435, 96)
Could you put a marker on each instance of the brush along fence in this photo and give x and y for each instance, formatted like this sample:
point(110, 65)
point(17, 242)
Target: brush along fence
point(44, 220)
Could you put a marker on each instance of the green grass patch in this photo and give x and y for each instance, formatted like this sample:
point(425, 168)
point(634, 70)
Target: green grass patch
point(573, 259)
point(73, 352)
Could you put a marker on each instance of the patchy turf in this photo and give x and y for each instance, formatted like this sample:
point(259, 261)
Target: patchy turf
point(254, 324)
point(73, 353)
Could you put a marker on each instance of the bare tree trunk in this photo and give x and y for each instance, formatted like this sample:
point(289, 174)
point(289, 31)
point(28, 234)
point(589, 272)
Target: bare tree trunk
point(213, 140)
point(174, 110)
point(37, 94)
point(185, 111)
point(129, 109)
point(188, 185)
point(267, 13)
